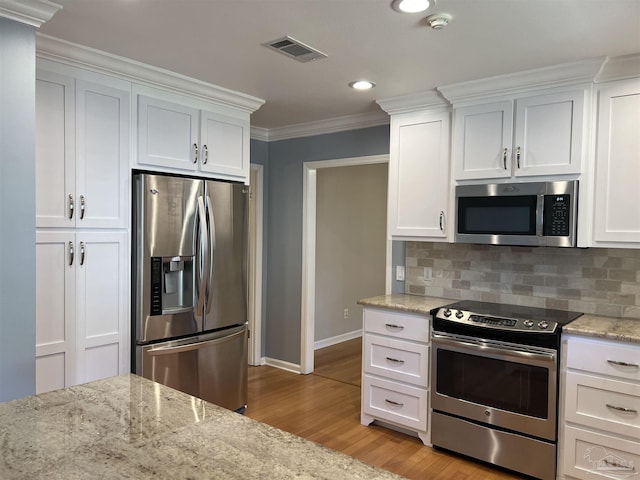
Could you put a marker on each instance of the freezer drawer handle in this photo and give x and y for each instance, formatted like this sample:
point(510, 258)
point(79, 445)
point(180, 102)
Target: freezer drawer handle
point(191, 346)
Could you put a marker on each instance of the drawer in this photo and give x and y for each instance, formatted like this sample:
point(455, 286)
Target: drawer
point(399, 325)
point(601, 403)
point(396, 359)
point(605, 357)
point(589, 455)
point(395, 402)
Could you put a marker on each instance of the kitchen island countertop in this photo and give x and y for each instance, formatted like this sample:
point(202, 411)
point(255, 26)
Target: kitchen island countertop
point(128, 427)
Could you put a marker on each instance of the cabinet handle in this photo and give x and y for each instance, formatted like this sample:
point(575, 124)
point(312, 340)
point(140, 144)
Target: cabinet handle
point(205, 154)
point(623, 364)
point(81, 207)
point(195, 153)
point(395, 360)
point(394, 326)
point(504, 158)
point(70, 253)
point(621, 409)
point(81, 253)
point(441, 221)
point(70, 206)
point(394, 403)
point(621, 466)
point(518, 157)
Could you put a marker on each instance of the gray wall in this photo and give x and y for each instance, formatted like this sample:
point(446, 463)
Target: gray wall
point(351, 219)
point(284, 238)
point(17, 210)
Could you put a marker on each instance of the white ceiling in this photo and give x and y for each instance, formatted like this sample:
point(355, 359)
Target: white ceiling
point(219, 41)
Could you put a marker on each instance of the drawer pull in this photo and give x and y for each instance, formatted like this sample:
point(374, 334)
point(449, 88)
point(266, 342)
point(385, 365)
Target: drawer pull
point(621, 466)
point(623, 364)
point(394, 403)
point(394, 326)
point(622, 409)
point(395, 360)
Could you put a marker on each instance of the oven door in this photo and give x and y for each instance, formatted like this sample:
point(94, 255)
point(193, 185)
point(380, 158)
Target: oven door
point(505, 385)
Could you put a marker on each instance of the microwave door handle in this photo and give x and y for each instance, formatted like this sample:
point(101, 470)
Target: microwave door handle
point(539, 215)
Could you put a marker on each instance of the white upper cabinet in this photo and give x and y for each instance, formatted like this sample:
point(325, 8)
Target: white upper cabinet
point(178, 135)
point(82, 153)
point(617, 196)
point(537, 135)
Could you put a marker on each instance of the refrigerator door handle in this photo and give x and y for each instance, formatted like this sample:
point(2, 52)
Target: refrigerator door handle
point(212, 250)
point(193, 346)
point(202, 262)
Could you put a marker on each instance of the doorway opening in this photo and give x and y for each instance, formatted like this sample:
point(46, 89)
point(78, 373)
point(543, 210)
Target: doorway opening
point(309, 251)
point(256, 181)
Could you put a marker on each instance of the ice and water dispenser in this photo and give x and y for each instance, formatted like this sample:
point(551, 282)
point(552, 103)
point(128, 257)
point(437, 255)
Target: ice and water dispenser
point(172, 285)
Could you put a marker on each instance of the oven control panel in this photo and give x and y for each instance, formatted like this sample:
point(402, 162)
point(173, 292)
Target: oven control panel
point(501, 323)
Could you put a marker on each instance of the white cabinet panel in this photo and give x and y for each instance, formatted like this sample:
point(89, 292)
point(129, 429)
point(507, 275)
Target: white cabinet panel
point(617, 196)
point(167, 134)
point(396, 324)
point(82, 153)
point(482, 144)
point(419, 175)
point(397, 359)
point(398, 403)
point(50, 372)
point(102, 362)
point(225, 145)
point(608, 358)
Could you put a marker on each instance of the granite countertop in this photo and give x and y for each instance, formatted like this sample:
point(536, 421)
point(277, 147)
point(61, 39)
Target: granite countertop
point(621, 329)
point(128, 427)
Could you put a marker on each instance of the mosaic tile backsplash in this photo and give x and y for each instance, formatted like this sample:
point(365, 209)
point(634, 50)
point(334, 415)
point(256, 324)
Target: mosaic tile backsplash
point(600, 281)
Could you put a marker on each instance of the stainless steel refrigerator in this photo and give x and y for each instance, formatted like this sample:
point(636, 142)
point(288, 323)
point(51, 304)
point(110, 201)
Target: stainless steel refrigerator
point(189, 286)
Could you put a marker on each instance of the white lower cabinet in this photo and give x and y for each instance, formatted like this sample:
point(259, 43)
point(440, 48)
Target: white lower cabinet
point(81, 307)
point(395, 376)
point(600, 428)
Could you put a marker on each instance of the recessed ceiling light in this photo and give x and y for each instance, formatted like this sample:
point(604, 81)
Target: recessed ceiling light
point(362, 85)
point(410, 6)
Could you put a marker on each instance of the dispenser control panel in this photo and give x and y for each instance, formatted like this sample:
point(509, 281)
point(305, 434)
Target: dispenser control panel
point(156, 286)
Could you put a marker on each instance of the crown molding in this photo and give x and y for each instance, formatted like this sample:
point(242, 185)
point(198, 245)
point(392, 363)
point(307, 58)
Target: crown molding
point(514, 83)
point(322, 127)
point(619, 68)
point(30, 12)
point(87, 58)
point(413, 102)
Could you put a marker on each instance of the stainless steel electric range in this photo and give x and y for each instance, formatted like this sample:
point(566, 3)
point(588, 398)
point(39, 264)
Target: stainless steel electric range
point(495, 383)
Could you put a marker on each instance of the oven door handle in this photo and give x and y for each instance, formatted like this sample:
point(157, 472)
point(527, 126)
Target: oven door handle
point(496, 348)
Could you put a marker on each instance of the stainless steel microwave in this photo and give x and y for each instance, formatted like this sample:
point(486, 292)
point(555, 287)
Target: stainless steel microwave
point(529, 214)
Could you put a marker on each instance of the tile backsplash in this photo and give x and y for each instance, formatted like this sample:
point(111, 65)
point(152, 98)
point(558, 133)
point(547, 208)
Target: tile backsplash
point(600, 281)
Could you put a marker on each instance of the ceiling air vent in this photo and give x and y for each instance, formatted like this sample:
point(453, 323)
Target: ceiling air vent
point(292, 48)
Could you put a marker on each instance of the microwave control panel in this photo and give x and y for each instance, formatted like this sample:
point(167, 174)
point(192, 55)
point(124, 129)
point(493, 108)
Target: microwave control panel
point(557, 214)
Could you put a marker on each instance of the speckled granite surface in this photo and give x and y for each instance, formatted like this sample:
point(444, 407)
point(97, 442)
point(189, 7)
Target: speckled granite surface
point(405, 303)
point(622, 329)
point(128, 427)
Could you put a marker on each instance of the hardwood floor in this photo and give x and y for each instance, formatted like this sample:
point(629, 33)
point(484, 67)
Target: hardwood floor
point(324, 407)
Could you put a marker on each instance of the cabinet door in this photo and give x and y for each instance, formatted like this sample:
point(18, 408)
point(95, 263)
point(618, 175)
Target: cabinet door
point(102, 156)
point(617, 196)
point(419, 175)
point(101, 305)
point(55, 310)
point(482, 141)
point(55, 149)
point(224, 143)
point(167, 134)
point(549, 133)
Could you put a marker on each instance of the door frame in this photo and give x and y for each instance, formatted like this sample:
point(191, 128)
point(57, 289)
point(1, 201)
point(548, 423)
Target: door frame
point(255, 273)
point(308, 300)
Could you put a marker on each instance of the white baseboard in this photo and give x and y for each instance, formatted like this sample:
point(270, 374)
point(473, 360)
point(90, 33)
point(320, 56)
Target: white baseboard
point(281, 364)
point(327, 342)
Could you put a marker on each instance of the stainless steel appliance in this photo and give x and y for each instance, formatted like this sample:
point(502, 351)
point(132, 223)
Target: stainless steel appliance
point(531, 214)
point(189, 276)
point(495, 383)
